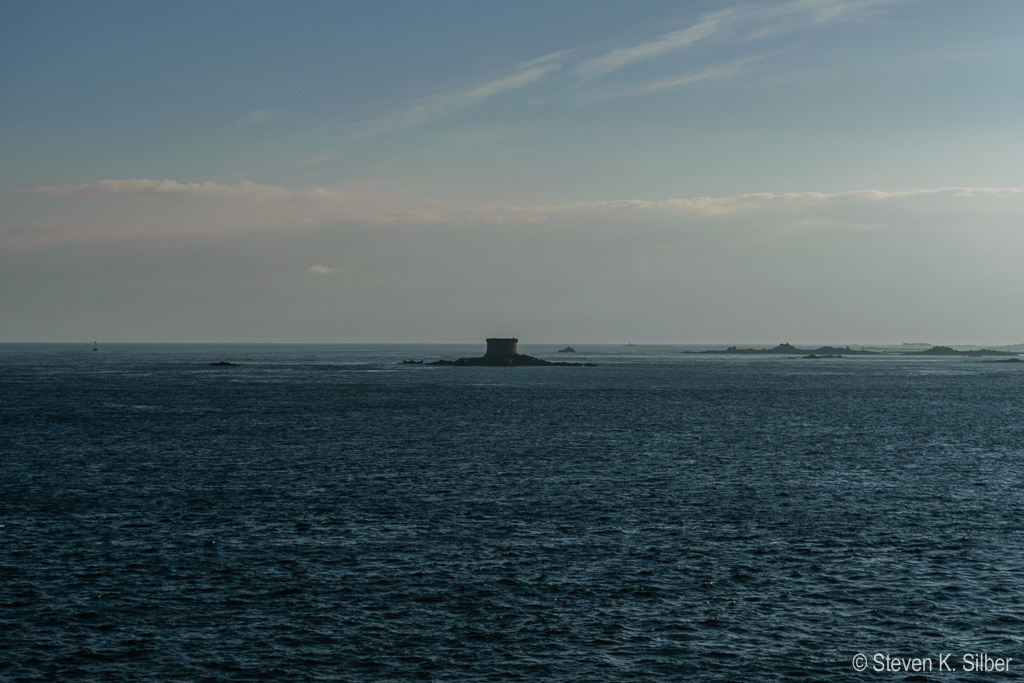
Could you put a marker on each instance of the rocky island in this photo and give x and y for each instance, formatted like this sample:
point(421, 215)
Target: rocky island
point(947, 351)
point(837, 352)
point(502, 352)
point(790, 350)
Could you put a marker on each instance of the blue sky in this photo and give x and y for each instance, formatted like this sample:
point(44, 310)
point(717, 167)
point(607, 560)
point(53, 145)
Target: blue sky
point(805, 170)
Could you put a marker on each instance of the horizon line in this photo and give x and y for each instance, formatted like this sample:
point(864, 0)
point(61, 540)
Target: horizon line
point(529, 343)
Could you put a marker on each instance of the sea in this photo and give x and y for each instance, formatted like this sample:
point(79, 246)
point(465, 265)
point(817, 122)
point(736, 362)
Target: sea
point(325, 513)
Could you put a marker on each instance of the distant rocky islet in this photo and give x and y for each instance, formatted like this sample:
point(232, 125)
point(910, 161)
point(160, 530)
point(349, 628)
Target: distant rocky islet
point(838, 352)
point(502, 352)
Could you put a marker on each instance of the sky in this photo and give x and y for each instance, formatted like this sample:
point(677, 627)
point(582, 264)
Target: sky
point(568, 171)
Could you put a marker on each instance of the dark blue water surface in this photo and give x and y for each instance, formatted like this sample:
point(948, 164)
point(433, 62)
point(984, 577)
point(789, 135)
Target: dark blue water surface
point(323, 513)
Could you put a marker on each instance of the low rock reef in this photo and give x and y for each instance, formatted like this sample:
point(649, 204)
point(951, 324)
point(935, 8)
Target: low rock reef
point(789, 349)
point(947, 351)
point(515, 361)
point(838, 352)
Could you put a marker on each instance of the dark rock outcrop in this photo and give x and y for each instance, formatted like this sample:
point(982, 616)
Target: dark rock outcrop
point(513, 361)
point(502, 352)
point(789, 349)
point(224, 364)
point(832, 351)
point(947, 351)
point(567, 349)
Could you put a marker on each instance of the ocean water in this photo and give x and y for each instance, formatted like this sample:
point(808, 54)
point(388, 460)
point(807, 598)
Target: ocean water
point(324, 513)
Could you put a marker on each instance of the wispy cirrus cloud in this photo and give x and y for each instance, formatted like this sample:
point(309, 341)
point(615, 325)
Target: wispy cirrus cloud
point(451, 102)
point(573, 69)
point(742, 23)
point(709, 25)
point(774, 20)
point(719, 72)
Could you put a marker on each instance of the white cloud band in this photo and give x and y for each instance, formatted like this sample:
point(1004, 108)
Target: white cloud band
point(432, 210)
